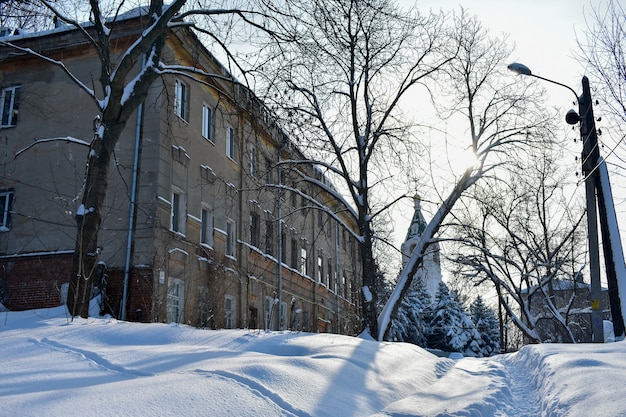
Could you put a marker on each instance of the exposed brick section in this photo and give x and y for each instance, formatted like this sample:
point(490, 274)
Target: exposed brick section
point(139, 303)
point(31, 282)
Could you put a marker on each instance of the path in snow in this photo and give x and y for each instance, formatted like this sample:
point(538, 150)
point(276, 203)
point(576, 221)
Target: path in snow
point(524, 400)
point(501, 386)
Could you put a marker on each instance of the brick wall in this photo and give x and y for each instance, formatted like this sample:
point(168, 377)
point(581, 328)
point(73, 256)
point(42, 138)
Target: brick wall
point(139, 302)
point(34, 281)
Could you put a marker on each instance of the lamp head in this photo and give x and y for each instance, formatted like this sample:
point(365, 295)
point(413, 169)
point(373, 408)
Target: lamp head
point(519, 69)
point(571, 117)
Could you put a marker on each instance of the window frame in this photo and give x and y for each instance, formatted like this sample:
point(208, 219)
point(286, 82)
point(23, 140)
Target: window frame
point(294, 255)
point(178, 213)
point(231, 236)
point(181, 100)
point(254, 161)
point(206, 224)
point(11, 111)
point(208, 126)
point(6, 207)
point(230, 314)
point(255, 229)
point(269, 237)
point(175, 304)
point(231, 148)
point(303, 261)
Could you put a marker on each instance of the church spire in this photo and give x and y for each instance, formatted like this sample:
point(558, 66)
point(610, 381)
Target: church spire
point(418, 224)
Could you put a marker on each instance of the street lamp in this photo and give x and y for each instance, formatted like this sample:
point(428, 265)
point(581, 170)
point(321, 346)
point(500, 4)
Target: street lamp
point(590, 160)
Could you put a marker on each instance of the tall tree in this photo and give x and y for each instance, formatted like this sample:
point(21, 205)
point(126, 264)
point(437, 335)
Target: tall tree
point(123, 84)
point(451, 328)
point(602, 49)
point(523, 237)
point(339, 87)
point(486, 324)
point(412, 323)
point(500, 120)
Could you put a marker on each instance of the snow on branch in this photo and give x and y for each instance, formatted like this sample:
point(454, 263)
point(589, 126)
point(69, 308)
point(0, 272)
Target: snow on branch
point(67, 139)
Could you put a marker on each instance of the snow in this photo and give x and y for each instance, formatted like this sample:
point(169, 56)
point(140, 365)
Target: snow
point(100, 366)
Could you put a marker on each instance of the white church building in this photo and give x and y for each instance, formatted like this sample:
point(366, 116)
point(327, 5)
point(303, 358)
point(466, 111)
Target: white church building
point(430, 271)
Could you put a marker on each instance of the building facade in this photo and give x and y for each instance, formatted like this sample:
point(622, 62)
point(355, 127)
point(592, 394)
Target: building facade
point(205, 224)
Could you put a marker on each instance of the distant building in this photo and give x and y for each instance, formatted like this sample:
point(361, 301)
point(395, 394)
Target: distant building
point(208, 238)
point(573, 300)
point(430, 271)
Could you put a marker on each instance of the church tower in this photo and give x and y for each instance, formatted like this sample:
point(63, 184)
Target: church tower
point(430, 271)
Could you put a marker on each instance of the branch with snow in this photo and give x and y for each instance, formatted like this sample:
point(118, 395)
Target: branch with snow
point(67, 139)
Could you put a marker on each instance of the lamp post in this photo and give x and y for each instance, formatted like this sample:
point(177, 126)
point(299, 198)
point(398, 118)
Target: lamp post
point(590, 159)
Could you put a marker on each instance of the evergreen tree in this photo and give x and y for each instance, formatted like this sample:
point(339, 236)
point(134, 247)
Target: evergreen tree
point(412, 323)
point(452, 329)
point(486, 323)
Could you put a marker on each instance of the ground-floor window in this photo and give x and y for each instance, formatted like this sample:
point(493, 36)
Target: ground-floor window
point(230, 312)
point(175, 300)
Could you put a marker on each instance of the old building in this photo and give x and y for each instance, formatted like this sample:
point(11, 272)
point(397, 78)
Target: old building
point(199, 212)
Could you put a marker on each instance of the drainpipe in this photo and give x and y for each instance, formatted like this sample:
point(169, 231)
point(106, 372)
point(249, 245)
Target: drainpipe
point(279, 230)
point(132, 211)
point(337, 300)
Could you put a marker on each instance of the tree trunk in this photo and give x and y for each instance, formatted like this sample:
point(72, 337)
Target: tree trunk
point(369, 292)
point(88, 221)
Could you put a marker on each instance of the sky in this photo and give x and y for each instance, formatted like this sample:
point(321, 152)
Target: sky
point(50, 366)
point(544, 34)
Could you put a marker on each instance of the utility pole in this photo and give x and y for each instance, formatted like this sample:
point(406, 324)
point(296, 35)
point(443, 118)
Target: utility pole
point(590, 158)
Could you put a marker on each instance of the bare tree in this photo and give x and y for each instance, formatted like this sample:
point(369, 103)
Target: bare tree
point(339, 87)
point(18, 16)
point(603, 51)
point(123, 84)
point(525, 241)
point(500, 120)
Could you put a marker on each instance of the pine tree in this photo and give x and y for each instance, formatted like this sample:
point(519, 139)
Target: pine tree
point(452, 329)
point(412, 323)
point(486, 323)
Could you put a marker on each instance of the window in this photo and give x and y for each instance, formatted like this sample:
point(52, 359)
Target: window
point(303, 261)
point(207, 122)
point(181, 104)
point(230, 142)
point(329, 227)
point(254, 162)
point(230, 238)
point(230, 313)
point(175, 300)
point(329, 278)
point(344, 285)
point(255, 233)
point(178, 212)
point(269, 237)
point(320, 267)
point(9, 103)
point(268, 171)
point(294, 254)
point(206, 233)
point(6, 205)
point(268, 310)
point(283, 247)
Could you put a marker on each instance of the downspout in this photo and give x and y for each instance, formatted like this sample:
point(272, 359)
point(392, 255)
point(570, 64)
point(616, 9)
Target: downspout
point(337, 300)
point(279, 230)
point(132, 210)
